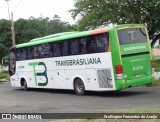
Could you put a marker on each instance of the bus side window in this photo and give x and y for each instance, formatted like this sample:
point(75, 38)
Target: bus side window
point(30, 53)
point(65, 50)
point(44, 50)
point(105, 39)
point(91, 46)
point(24, 54)
point(82, 46)
point(35, 52)
point(102, 43)
point(74, 47)
point(56, 49)
point(18, 54)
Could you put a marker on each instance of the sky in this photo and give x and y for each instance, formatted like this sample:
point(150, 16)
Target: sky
point(37, 8)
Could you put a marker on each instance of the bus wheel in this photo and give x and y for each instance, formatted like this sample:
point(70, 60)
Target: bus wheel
point(25, 86)
point(79, 87)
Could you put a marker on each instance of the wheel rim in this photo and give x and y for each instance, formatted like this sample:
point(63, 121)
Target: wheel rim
point(79, 87)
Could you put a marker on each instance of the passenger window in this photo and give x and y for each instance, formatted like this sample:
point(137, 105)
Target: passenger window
point(45, 50)
point(82, 46)
point(74, 47)
point(35, 52)
point(65, 51)
point(57, 49)
point(91, 45)
point(30, 53)
point(24, 54)
point(98, 43)
point(102, 43)
point(18, 55)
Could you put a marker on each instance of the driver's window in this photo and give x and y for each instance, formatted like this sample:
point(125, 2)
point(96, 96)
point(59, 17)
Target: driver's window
point(12, 63)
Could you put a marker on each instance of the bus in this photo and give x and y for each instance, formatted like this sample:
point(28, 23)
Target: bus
point(106, 59)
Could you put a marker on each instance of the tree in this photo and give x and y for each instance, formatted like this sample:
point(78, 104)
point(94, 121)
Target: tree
point(5, 32)
point(5, 37)
point(55, 25)
point(27, 29)
point(93, 14)
point(38, 27)
point(3, 51)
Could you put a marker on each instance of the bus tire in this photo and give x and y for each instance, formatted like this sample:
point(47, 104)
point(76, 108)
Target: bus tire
point(79, 87)
point(25, 86)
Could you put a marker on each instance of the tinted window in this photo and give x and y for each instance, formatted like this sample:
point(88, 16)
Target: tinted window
point(82, 46)
point(18, 55)
point(91, 45)
point(24, 54)
point(102, 43)
point(132, 35)
point(44, 50)
point(74, 47)
point(65, 50)
point(98, 43)
point(35, 52)
point(12, 63)
point(57, 51)
point(30, 53)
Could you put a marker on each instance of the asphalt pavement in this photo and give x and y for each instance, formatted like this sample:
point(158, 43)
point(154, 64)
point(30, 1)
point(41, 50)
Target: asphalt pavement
point(65, 101)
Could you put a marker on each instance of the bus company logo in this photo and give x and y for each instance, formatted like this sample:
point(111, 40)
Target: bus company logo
point(134, 48)
point(43, 74)
point(74, 62)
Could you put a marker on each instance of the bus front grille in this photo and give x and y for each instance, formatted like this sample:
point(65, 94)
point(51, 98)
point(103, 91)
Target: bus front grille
point(104, 78)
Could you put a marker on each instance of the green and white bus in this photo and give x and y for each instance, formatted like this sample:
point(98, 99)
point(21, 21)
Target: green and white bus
point(105, 59)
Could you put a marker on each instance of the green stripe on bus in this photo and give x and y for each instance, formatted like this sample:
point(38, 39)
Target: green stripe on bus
point(60, 38)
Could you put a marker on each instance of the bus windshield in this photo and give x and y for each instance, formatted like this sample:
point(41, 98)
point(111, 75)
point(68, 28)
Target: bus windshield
point(132, 35)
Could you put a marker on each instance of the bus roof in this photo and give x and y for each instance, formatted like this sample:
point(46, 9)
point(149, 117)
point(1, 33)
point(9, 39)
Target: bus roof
point(70, 35)
point(54, 35)
point(61, 36)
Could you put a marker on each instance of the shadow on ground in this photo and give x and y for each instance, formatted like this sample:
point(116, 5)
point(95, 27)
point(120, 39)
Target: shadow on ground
point(116, 94)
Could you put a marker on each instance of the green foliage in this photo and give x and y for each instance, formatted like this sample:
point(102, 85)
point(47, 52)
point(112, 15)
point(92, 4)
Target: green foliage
point(5, 37)
point(27, 29)
point(56, 25)
point(97, 13)
point(4, 75)
point(157, 65)
point(100, 13)
point(3, 50)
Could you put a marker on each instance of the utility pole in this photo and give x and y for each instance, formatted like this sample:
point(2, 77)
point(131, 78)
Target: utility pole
point(8, 9)
point(12, 23)
point(13, 31)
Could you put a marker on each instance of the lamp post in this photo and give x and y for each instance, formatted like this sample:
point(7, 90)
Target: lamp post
point(8, 9)
point(12, 27)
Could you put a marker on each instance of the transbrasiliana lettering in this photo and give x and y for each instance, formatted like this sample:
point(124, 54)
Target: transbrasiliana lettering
point(74, 62)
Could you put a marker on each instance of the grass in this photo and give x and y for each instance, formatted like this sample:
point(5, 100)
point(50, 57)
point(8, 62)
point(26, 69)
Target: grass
point(156, 82)
point(4, 75)
point(157, 65)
